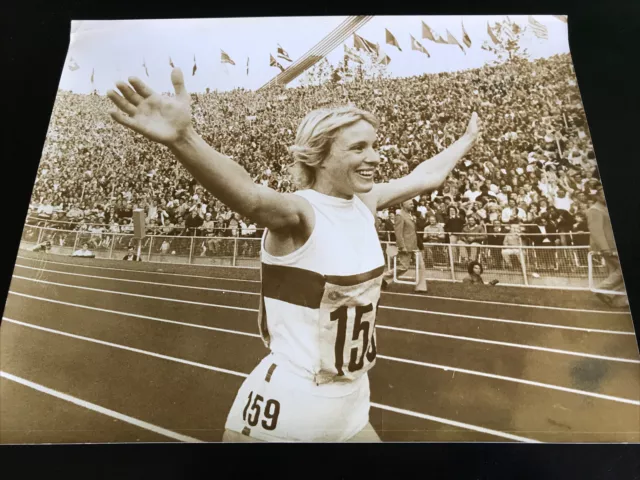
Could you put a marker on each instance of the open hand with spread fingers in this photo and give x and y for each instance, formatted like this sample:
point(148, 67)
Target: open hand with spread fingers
point(473, 130)
point(160, 118)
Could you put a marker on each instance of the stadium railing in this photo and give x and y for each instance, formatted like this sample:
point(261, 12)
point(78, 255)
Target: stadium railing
point(571, 267)
point(228, 251)
point(537, 267)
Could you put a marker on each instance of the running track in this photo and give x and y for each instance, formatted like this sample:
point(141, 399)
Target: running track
point(97, 351)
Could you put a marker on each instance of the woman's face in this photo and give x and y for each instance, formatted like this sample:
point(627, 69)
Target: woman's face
point(477, 269)
point(351, 163)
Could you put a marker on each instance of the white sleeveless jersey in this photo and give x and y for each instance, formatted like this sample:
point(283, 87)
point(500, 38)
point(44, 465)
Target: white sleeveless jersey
point(318, 304)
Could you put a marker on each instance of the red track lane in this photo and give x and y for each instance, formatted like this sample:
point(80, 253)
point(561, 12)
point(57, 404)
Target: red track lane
point(194, 401)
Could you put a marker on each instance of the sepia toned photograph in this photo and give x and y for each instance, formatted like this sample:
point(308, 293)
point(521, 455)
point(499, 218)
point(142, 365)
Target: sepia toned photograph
point(318, 229)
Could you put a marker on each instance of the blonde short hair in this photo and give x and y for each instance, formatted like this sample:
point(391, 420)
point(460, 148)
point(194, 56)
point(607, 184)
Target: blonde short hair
point(315, 136)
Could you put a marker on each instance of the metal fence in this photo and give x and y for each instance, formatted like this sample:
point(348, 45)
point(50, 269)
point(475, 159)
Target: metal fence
point(226, 251)
point(573, 267)
point(549, 267)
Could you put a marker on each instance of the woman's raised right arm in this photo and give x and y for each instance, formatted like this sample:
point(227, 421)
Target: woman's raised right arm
point(167, 120)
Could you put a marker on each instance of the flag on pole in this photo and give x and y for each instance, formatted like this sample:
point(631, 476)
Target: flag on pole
point(431, 35)
point(427, 33)
point(195, 66)
point(360, 43)
point(465, 37)
point(351, 55)
point(451, 40)
point(507, 30)
point(225, 58)
point(538, 29)
point(247, 66)
point(494, 39)
point(171, 63)
point(562, 18)
point(383, 58)
point(144, 64)
point(415, 45)
point(73, 66)
point(282, 53)
point(274, 63)
point(516, 28)
point(92, 72)
point(391, 40)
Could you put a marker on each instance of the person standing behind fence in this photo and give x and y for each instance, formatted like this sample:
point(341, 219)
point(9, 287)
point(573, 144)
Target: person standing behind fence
point(473, 233)
point(406, 239)
point(433, 233)
point(512, 245)
point(602, 242)
point(407, 243)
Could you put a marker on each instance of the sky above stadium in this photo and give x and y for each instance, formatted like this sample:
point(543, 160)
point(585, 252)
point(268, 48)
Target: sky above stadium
point(117, 49)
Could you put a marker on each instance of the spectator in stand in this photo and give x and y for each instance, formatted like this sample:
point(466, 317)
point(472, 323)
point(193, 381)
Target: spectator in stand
point(472, 234)
point(234, 225)
point(580, 238)
point(84, 252)
point(131, 256)
point(545, 234)
point(407, 242)
point(495, 240)
point(406, 239)
point(208, 227)
point(603, 243)
point(512, 213)
point(433, 233)
point(512, 245)
point(453, 225)
point(192, 223)
point(389, 227)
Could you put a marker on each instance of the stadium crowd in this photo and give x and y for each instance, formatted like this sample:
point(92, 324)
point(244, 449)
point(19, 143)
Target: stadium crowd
point(534, 164)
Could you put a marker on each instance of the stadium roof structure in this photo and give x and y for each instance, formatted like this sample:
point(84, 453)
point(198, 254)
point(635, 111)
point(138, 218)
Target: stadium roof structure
point(319, 51)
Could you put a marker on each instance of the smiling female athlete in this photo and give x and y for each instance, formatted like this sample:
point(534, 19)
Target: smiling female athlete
point(322, 263)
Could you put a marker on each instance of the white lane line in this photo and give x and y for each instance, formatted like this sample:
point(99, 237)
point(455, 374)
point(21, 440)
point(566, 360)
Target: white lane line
point(124, 347)
point(244, 375)
point(507, 344)
point(135, 315)
point(97, 408)
point(139, 295)
point(144, 271)
point(384, 357)
point(385, 307)
point(504, 320)
point(242, 292)
point(453, 423)
point(442, 335)
point(563, 309)
point(507, 304)
point(511, 379)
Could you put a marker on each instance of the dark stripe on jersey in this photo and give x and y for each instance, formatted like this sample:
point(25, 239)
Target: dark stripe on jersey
point(292, 285)
point(272, 369)
point(349, 280)
point(246, 431)
point(303, 287)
